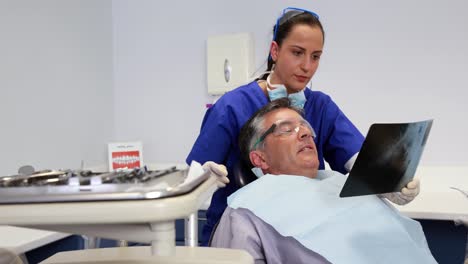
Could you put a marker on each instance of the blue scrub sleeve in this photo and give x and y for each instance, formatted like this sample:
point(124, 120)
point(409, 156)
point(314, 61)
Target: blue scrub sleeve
point(344, 141)
point(214, 140)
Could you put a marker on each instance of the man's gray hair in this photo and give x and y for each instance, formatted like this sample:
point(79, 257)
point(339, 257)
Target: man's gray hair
point(251, 131)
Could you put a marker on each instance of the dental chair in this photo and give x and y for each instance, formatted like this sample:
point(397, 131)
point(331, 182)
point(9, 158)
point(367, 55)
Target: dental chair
point(243, 175)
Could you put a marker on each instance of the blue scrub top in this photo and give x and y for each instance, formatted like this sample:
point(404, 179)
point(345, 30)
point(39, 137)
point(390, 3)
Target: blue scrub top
point(337, 138)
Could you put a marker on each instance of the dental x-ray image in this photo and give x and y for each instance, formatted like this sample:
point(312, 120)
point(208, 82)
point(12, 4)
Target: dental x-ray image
point(388, 158)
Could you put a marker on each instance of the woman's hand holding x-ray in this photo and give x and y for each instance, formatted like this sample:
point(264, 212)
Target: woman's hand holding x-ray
point(219, 171)
point(406, 195)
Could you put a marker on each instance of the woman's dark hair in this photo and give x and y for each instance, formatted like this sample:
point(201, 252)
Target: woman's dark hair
point(285, 25)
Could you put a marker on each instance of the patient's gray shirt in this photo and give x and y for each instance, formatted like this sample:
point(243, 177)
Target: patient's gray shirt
point(241, 229)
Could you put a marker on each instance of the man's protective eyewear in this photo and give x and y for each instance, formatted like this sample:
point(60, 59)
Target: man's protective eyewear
point(285, 128)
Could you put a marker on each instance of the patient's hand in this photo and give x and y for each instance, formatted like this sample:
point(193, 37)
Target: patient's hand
point(406, 195)
point(219, 171)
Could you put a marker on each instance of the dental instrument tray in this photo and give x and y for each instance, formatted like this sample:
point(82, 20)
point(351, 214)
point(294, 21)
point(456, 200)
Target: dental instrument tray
point(388, 158)
point(84, 185)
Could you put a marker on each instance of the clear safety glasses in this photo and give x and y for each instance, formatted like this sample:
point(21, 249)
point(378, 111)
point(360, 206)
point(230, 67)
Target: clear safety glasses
point(285, 128)
point(288, 13)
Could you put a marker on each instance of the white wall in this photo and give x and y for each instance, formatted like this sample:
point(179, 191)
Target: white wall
point(384, 61)
point(56, 104)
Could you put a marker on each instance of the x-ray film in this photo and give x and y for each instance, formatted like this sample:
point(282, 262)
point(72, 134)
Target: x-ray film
point(388, 158)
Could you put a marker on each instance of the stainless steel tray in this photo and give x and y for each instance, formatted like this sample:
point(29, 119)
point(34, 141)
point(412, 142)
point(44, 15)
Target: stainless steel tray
point(96, 187)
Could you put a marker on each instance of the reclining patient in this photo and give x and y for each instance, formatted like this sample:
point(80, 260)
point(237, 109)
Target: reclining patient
point(293, 214)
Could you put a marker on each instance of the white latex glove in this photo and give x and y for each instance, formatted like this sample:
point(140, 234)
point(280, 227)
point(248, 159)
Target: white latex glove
point(406, 195)
point(219, 171)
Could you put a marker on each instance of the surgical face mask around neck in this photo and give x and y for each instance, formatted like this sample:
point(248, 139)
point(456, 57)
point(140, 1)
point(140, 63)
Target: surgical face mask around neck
point(279, 91)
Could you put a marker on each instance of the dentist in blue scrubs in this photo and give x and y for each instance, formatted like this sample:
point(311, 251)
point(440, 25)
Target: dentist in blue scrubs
point(295, 51)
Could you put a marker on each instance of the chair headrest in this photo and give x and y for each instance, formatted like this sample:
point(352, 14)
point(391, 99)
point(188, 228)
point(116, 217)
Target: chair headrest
point(243, 175)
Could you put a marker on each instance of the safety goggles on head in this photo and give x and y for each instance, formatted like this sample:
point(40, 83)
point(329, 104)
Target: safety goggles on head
point(285, 128)
point(288, 13)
